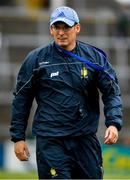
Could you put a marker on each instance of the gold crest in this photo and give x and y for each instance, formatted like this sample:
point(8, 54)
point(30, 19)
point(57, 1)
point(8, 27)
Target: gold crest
point(53, 172)
point(84, 72)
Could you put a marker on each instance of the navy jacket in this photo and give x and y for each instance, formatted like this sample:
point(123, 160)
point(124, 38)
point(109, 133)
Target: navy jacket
point(66, 91)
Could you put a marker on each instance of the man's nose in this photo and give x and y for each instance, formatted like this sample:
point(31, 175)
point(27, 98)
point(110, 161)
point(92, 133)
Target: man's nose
point(61, 31)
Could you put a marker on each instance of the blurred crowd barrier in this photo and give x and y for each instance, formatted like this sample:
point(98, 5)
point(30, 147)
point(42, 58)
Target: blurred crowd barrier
point(116, 159)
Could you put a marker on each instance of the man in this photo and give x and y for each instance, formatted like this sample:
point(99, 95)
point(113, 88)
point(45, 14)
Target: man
point(64, 77)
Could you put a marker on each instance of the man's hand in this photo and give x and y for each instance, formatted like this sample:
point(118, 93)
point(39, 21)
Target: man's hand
point(21, 150)
point(111, 135)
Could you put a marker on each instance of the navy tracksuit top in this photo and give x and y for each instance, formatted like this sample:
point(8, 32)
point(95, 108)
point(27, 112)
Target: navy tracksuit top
point(66, 91)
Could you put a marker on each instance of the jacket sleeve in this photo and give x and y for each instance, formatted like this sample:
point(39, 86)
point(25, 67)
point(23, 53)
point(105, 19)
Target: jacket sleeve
point(23, 98)
point(111, 95)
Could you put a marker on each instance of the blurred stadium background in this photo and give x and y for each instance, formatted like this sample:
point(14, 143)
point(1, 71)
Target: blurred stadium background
point(24, 25)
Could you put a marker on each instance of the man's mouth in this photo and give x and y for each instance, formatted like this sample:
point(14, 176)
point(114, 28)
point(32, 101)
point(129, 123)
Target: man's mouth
point(62, 39)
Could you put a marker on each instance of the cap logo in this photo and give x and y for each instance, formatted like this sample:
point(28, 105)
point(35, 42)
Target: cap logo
point(61, 14)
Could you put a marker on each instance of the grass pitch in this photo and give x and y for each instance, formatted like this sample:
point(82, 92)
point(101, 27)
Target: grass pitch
point(18, 175)
point(33, 175)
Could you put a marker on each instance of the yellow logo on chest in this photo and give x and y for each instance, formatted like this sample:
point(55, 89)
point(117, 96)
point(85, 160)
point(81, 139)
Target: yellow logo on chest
point(84, 72)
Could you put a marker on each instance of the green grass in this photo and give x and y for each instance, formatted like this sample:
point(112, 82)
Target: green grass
point(33, 175)
point(117, 174)
point(18, 175)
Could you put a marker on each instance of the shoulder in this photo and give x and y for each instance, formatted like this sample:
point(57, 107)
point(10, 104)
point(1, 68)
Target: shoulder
point(93, 51)
point(41, 51)
point(34, 56)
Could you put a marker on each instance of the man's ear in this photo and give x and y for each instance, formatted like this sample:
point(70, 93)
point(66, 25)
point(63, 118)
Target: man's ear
point(78, 27)
point(51, 30)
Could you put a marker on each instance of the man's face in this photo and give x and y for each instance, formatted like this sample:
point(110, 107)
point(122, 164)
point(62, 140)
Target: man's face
point(64, 35)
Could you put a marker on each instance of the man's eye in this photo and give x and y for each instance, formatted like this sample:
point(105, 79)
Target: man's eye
point(67, 27)
point(56, 27)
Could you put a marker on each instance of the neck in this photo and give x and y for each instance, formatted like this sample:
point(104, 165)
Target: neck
point(71, 47)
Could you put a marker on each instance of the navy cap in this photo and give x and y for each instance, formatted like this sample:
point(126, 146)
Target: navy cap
point(64, 14)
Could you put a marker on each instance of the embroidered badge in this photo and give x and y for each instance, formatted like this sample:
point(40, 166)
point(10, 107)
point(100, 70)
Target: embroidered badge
point(53, 172)
point(84, 72)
